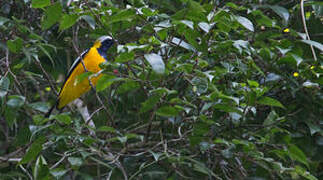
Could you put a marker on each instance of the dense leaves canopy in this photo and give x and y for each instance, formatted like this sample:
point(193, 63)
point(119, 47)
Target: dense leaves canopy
point(193, 89)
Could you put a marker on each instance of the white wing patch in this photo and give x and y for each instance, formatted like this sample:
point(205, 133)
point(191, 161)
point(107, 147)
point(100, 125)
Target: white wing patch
point(75, 63)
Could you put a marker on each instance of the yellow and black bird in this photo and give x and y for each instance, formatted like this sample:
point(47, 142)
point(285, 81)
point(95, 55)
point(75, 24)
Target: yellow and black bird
point(91, 57)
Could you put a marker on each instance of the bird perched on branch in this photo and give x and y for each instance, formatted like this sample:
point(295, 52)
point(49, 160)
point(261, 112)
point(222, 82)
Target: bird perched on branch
point(88, 61)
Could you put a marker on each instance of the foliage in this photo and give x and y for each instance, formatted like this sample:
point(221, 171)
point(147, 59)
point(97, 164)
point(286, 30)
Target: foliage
point(193, 89)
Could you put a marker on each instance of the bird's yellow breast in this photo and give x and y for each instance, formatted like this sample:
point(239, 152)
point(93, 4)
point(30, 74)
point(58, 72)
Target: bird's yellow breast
point(73, 89)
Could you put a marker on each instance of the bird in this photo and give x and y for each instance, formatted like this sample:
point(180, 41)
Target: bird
point(91, 57)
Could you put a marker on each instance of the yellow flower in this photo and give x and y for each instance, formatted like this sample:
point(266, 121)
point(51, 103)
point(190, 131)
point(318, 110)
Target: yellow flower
point(286, 30)
point(295, 74)
point(47, 89)
point(312, 67)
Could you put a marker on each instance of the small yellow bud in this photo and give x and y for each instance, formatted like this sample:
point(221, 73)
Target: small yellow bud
point(287, 30)
point(312, 67)
point(47, 89)
point(295, 74)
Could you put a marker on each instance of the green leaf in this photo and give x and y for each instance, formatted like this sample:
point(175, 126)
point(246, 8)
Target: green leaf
point(41, 170)
point(289, 60)
point(253, 83)
point(262, 19)
point(189, 24)
point(297, 154)
point(105, 81)
point(200, 167)
point(42, 48)
point(150, 103)
point(10, 115)
point(181, 43)
point(156, 155)
point(270, 102)
point(309, 84)
point(75, 161)
point(205, 26)
point(125, 57)
point(148, 12)
point(34, 150)
point(4, 86)
point(307, 175)
point(16, 101)
point(67, 21)
point(106, 129)
point(64, 118)
point(191, 36)
point(52, 15)
point(195, 6)
point(83, 76)
point(129, 85)
point(156, 62)
point(40, 3)
point(227, 108)
point(39, 106)
point(90, 20)
point(282, 12)
point(123, 15)
point(15, 45)
point(271, 118)
point(23, 137)
point(167, 111)
point(318, 45)
point(3, 20)
point(58, 172)
point(200, 85)
point(220, 95)
point(313, 128)
point(245, 23)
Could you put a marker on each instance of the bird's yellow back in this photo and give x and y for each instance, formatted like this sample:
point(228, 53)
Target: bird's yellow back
point(73, 89)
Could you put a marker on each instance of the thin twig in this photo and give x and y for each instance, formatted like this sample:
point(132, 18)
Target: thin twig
point(305, 29)
point(25, 171)
point(46, 76)
point(150, 123)
point(96, 111)
point(11, 73)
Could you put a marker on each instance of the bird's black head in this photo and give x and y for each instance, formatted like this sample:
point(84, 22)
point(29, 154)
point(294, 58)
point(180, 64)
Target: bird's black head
point(103, 44)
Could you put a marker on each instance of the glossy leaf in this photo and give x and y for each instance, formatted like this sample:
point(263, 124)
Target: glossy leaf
point(125, 57)
point(67, 21)
point(63, 118)
point(167, 111)
point(15, 45)
point(39, 106)
point(4, 86)
point(123, 15)
point(90, 20)
point(156, 62)
point(318, 45)
point(52, 15)
point(270, 102)
point(104, 82)
point(297, 154)
point(35, 148)
point(245, 23)
point(149, 103)
point(40, 3)
point(16, 101)
point(282, 12)
point(3, 20)
point(75, 161)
